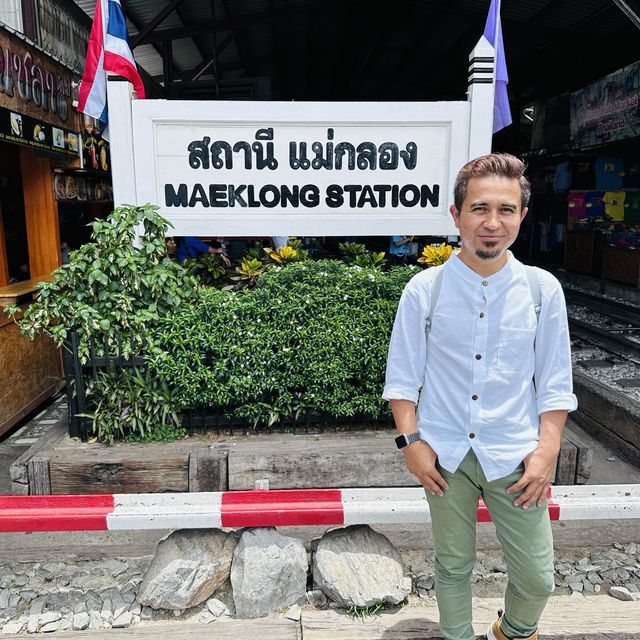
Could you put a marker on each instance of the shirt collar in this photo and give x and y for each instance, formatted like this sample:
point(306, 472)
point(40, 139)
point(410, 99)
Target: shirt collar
point(469, 275)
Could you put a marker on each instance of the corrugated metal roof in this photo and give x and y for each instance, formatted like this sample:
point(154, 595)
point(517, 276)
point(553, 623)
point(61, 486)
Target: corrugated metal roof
point(376, 49)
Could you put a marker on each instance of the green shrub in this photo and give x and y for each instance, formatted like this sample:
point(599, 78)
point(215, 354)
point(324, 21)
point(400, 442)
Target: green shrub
point(112, 290)
point(134, 405)
point(312, 335)
point(113, 293)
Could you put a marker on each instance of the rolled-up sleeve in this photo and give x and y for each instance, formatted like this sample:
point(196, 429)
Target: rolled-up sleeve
point(553, 377)
point(407, 348)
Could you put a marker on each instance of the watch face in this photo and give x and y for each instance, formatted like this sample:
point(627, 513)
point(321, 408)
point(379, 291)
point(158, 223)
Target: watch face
point(401, 441)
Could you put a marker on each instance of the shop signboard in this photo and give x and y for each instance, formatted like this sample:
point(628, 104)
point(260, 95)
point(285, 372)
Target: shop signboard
point(33, 85)
point(607, 110)
point(36, 133)
point(62, 35)
point(299, 168)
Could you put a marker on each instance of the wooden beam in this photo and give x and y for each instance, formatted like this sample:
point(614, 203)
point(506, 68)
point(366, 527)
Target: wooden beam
point(4, 265)
point(141, 36)
point(41, 213)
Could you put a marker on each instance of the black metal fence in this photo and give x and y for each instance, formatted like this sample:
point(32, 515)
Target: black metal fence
point(78, 374)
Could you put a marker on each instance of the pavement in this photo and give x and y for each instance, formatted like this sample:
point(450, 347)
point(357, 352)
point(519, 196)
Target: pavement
point(14, 443)
point(565, 618)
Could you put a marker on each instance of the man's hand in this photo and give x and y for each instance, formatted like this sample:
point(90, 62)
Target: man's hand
point(420, 459)
point(536, 478)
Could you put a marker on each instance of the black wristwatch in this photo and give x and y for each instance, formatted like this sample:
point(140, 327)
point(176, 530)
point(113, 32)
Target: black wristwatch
point(405, 439)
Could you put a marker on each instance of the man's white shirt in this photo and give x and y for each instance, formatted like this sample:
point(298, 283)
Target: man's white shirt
point(474, 385)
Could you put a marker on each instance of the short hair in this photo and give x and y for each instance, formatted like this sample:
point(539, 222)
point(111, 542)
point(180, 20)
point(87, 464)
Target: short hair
point(503, 165)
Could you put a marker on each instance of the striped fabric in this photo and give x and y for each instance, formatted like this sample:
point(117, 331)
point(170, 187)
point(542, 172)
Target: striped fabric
point(108, 50)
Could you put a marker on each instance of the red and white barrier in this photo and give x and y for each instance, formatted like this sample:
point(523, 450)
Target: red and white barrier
point(291, 507)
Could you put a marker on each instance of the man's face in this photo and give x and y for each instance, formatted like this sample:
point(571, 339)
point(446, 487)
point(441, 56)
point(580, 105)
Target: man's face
point(490, 217)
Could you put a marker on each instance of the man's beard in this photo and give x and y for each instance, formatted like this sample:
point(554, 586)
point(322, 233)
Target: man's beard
point(488, 253)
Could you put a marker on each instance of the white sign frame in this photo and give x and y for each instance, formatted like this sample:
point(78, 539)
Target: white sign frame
point(140, 167)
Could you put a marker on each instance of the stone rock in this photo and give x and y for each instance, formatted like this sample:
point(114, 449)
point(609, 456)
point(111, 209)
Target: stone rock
point(12, 628)
point(50, 616)
point(28, 596)
point(216, 607)
point(269, 572)
point(146, 613)
point(115, 567)
point(106, 612)
point(631, 549)
point(621, 593)
point(294, 613)
point(189, 565)
point(65, 623)
point(123, 621)
point(80, 621)
point(495, 565)
point(95, 620)
point(358, 566)
point(48, 628)
point(424, 583)
point(594, 577)
point(32, 625)
point(206, 617)
point(316, 598)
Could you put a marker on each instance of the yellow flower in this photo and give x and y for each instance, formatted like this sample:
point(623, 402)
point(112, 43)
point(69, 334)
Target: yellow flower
point(283, 255)
point(433, 256)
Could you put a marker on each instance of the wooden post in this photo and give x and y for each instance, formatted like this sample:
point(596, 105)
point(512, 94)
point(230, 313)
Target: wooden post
point(208, 470)
point(41, 213)
point(4, 265)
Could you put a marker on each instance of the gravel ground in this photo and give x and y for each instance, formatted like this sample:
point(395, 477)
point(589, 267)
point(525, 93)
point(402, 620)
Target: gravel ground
point(101, 594)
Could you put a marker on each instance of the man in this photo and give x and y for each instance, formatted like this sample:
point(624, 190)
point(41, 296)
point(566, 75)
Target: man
point(399, 249)
point(483, 427)
point(192, 247)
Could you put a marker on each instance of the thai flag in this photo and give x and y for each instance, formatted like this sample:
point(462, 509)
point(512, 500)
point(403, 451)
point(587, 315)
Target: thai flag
point(493, 33)
point(108, 50)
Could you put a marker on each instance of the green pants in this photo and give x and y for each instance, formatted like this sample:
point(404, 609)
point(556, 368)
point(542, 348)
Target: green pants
point(527, 545)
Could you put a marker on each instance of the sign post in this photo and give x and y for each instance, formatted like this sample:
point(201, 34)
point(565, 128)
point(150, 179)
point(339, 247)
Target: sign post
point(226, 168)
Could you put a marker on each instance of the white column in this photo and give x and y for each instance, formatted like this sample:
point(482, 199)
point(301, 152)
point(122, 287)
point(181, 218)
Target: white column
point(480, 95)
point(119, 99)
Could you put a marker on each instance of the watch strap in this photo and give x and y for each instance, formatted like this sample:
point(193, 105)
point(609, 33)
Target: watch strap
point(405, 439)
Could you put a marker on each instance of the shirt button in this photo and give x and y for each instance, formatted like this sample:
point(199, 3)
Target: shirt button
point(474, 397)
point(478, 356)
point(482, 314)
point(472, 435)
point(484, 283)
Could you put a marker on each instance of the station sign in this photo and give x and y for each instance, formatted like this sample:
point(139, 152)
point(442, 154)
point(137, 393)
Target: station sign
point(299, 168)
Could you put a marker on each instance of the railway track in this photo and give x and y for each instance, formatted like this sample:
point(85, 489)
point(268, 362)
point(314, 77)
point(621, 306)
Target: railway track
point(605, 337)
point(605, 323)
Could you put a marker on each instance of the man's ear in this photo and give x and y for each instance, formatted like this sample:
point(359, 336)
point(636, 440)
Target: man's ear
point(524, 213)
point(455, 215)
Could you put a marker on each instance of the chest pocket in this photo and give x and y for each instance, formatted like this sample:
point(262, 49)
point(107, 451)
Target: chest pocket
point(514, 355)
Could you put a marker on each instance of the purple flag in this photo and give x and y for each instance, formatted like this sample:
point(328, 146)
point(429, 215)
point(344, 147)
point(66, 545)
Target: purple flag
point(493, 33)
